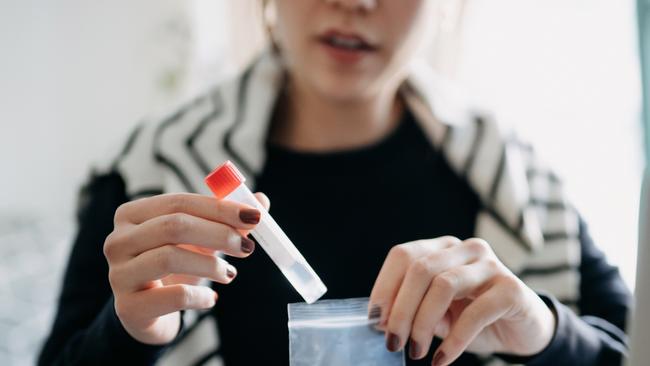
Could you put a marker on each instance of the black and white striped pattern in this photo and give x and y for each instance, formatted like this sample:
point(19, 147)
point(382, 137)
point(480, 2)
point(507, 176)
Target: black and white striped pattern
point(526, 216)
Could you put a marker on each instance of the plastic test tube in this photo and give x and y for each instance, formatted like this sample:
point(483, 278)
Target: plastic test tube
point(226, 182)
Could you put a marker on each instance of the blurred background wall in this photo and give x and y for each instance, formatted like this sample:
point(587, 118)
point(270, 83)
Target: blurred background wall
point(76, 75)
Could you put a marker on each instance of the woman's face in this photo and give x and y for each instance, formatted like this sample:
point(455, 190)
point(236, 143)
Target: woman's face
point(349, 49)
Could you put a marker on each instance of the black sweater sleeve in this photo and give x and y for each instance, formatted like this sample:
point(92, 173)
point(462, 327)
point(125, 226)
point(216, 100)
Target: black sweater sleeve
point(603, 294)
point(86, 329)
point(597, 336)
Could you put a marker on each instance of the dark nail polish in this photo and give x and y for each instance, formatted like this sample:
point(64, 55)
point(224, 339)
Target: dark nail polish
point(414, 349)
point(231, 272)
point(250, 216)
point(247, 245)
point(392, 342)
point(438, 358)
point(375, 312)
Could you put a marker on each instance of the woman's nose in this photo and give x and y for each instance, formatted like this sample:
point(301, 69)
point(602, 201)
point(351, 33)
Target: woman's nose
point(354, 4)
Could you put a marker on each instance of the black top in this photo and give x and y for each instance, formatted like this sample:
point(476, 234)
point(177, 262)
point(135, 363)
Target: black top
point(344, 211)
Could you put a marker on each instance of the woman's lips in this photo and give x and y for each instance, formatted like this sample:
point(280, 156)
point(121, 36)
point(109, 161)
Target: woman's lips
point(345, 48)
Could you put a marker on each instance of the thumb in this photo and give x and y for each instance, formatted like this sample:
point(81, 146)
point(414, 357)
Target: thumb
point(264, 200)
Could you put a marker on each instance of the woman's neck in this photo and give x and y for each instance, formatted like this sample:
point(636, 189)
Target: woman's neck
point(306, 121)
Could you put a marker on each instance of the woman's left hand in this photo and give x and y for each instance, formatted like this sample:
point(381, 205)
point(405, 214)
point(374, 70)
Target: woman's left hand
point(460, 292)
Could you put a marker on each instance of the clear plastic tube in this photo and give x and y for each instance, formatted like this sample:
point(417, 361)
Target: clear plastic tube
point(226, 182)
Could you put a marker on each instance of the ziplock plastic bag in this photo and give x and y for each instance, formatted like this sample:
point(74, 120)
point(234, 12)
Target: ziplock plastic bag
point(337, 333)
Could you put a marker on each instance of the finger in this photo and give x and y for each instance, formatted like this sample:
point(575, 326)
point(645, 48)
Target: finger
point(264, 200)
point(161, 262)
point(452, 284)
point(417, 281)
point(485, 310)
point(393, 270)
point(180, 228)
point(177, 279)
point(266, 204)
point(159, 301)
point(232, 213)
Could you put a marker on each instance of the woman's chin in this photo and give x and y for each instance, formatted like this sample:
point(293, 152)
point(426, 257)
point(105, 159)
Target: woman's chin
point(344, 90)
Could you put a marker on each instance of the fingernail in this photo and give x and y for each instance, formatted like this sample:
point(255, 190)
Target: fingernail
point(414, 349)
point(375, 312)
point(438, 358)
point(392, 342)
point(231, 272)
point(249, 216)
point(374, 317)
point(247, 245)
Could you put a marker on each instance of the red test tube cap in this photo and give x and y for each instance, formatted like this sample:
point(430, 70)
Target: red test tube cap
point(224, 179)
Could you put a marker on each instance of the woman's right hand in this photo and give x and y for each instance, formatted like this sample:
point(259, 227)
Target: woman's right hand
point(159, 250)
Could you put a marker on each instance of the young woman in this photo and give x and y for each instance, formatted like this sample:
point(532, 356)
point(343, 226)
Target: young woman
point(391, 188)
